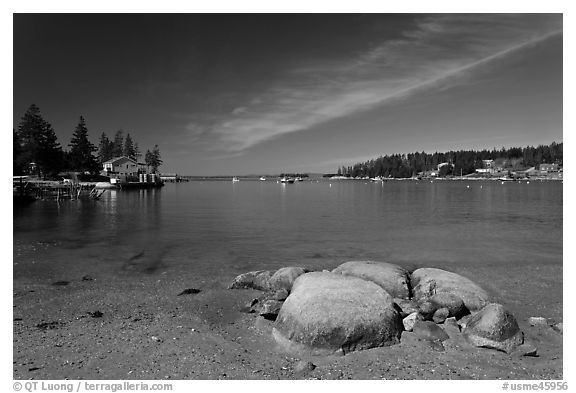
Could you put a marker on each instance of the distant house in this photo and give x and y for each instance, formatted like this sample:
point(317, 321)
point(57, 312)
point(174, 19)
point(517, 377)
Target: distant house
point(488, 164)
point(487, 167)
point(548, 168)
point(121, 167)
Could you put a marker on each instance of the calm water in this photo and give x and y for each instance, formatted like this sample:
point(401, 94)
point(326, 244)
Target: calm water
point(217, 228)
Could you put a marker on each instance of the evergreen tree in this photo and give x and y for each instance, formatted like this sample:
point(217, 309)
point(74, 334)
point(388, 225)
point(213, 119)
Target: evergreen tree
point(129, 149)
point(104, 149)
point(137, 153)
point(118, 144)
point(40, 147)
point(17, 167)
point(153, 159)
point(81, 149)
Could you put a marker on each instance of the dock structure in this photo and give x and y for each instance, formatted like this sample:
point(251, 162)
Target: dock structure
point(25, 189)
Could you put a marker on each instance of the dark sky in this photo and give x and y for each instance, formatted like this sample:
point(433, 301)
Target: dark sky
point(245, 93)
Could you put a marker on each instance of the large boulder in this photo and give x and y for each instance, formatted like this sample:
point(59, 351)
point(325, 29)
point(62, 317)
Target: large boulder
point(284, 278)
point(392, 278)
point(328, 312)
point(427, 282)
point(253, 280)
point(494, 327)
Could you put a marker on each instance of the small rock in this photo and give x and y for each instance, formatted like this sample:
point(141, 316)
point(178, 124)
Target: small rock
point(559, 327)
point(303, 366)
point(525, 350)
point(280, 294)
point(270, 309)
point(453, 303)
point(538, 321)
point(189, 291)
point(61, 283)
point(451, 326)
point(95, 314)
point(252, 306)
point(440, 315)
point(464, 320)
point(427, 309)
point(407, 307)
point(410, 320)
point(429, 331)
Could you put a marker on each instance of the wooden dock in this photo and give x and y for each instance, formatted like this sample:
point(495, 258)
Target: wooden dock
point(27, 190)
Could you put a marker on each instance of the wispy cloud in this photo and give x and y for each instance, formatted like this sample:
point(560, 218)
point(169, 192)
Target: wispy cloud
point(428, 56)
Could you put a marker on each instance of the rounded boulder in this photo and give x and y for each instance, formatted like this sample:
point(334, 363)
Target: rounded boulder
point(328, 312)
point(392, 278)
point(427, 282)
point(284, 278)
point(494, 327)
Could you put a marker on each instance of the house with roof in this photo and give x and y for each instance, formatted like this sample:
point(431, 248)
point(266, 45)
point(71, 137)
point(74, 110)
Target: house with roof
point(545, 168)
point(123, 168)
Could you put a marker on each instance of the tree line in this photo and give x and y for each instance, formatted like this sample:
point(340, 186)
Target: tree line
point(462, 161)
point(36, 149)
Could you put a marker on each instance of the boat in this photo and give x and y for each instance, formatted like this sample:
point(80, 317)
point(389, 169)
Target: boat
point(287, 180)
point(298, 179)
point(262, 178)
point(235, 179)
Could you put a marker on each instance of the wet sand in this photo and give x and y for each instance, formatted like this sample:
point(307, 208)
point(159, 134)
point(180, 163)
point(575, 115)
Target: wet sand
point(146, 331)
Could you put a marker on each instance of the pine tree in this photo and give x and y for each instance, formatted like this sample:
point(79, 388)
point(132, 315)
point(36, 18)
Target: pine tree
point(81, 149)
point(17, 167)
point(129, 150)
point(104, 149)
point(153, 159)
point(40, 147)
point(118, 144)
point(137, 153)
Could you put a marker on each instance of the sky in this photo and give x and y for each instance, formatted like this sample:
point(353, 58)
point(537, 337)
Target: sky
point(237, 94)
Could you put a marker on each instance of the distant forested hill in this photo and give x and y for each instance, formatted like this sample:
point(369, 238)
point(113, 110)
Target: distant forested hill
point(463, 161)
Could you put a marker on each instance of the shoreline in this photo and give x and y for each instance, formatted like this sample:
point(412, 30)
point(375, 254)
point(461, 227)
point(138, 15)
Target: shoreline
point(133, 325)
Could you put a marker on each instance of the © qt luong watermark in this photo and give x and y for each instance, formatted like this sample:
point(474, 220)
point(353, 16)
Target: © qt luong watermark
point(84, 386)
point(548, 385)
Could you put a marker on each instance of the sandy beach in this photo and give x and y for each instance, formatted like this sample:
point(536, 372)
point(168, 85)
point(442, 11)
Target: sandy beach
point(133, 325)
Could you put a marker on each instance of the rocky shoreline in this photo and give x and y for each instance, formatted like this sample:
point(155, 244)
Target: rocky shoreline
point(80, 323)
point(366, 304)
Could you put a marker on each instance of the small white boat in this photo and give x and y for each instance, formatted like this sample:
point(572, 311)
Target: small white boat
point(235, 179)
point(262, 178)
point(299, 179)
point(286, 180)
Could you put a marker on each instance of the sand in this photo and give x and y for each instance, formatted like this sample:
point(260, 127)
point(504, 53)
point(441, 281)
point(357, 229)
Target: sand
point(132, 325)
